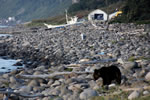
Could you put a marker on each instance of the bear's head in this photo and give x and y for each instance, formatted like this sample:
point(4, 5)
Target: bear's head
point(96, 74)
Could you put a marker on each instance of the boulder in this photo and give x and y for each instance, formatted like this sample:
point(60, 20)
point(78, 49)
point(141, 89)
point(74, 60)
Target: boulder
point(13, 79)
point(133, 95)
point(33, 83)
point(130, 65)
point(6, 76)
point(18, 64)
point(112, 85)
point(145, 92)
point(88, 93)
point(26, 89)
point(25, 44)
point(56, 83)
point(147, 77)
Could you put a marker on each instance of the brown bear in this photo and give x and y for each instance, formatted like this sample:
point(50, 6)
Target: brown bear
point(108, 74)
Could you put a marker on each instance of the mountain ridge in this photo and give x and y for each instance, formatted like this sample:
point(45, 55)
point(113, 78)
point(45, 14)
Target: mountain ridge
point(27, 10)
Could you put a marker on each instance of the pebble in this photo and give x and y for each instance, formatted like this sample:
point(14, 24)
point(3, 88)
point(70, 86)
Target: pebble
point(145, 92)
point(112, 85)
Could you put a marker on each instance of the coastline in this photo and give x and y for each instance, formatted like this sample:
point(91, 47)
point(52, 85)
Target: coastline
point(48, 51)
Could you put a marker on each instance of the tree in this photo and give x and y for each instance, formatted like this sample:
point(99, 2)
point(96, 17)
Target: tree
point(136, 10)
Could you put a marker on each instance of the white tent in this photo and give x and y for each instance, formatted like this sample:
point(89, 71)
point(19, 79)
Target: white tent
point(97, 15)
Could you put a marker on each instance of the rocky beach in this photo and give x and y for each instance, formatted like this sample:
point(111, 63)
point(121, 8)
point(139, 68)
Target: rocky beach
point(59, 62)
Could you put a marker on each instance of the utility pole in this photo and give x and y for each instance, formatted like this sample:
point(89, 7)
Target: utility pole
point(66, 16)
point(107, 23)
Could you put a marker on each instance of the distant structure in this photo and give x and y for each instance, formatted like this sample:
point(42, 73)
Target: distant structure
point(75, 1)
point(11, 19)
point(97, 15)
point(101, 15)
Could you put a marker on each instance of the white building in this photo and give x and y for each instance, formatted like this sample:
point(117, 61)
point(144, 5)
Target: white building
point(75, 1)
point(97, 15)
point(11, 19)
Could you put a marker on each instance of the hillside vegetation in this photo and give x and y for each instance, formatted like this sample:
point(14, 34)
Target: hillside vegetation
point(32, 9)
point(91, 4)
point(81, 14)
point(133, 11)
point(136, 11)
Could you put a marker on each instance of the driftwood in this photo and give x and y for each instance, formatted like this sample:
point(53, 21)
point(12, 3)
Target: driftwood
point(99, 61)
point(8, 92)
point(136, 89)
point(51, 75)
point(92, 62)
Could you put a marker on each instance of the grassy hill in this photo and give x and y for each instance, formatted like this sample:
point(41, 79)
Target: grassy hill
point(32, 9)
point(81, 13)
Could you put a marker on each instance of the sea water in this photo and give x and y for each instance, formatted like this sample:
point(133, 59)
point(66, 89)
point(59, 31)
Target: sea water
point(3, 26)
point(1, 35)
point(6, 65)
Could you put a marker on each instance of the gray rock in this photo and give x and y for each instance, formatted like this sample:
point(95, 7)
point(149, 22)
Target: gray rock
point(33, 83)
point(25, 44)
point(56, 83)
point(64, 90)
point(82, 85)
point(112, 85)
point(58, 99)
point(26, 89)
point(133, 95)
point(47, 98)
point(147, 77)
point(65, 97)
point(50, 82)
point(37, 73)
point(41, 68)
point(142, 73)
point(74, 96)
point(18, 64)
point(15, 85)
point(6, 76)
point(14, 72)
point(55, 92)
point(145, 92)
point(97, 87)
point(130, 65)
point(46, 92)
point(13, 79)
point(88, 93)
point(92, 83)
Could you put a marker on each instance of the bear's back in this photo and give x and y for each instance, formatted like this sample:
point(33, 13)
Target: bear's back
point(111, 70)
